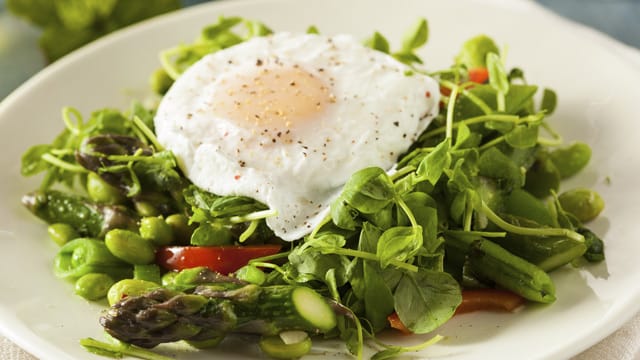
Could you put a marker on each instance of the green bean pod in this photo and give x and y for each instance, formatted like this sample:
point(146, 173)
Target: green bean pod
point(490, 261)
point(86, 255)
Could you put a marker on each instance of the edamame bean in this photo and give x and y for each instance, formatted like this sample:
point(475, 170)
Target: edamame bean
point(62, 233)
point(570, 160)
point(156, 230)
point(145, 208)
point(129, 287)
point(129, 247)
point(584, 204)
point(181, 229)
point(93, 286)
point(252, 274)
point(102, 192)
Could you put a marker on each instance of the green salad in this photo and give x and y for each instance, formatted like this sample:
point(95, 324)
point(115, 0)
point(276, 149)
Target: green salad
point(472, 218)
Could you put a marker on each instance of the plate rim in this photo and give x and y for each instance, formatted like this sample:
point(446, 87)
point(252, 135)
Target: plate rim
point(24, 338)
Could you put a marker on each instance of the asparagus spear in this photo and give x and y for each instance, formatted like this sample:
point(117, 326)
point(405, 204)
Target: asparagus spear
point(88, 218)
point(213, 311)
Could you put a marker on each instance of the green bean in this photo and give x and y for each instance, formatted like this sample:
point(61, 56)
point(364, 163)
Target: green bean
point(251, 274)
point(156, 230)
point(62, 233)
point(93, 286)
point(129, 247)
point(129, 287)
point(584, 204)
point(490, 261)
point(102, 192)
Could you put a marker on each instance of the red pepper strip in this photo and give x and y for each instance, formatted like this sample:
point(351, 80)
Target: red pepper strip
point(223, 259)
point(479, 75)
point(395, 323)
point(489, 300)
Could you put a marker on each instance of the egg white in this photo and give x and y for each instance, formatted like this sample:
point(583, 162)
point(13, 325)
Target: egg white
point(357, 108)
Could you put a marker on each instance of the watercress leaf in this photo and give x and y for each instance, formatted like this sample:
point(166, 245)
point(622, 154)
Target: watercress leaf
point(502, 127)
point(458, 207)
point(433, 165)
point(312, 264)
point(543, 177)
point(256, 28)
point(424, 210)
point(223, 25)
point(327, 240)
point(313, 30)
point(549, 101)
point(344, 215)
point(378, 299)
point(368, 190)
point(518, 97)
point(368, 240)
point(497, 75)
point(383, 219)
point(31, 161)
point(494, 164)
point(215, 206)
point(426, 299)
point(523, 136)
point(572, 159)
point(416, 36)
point(460, 177)
point(398, 243)
point(378, 42)
point(462, 135)
point(407, 58)
point(211, 234)
point(466, 108)
point(474, 52)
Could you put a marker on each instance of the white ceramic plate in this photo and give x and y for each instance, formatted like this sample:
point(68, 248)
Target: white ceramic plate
point(597, 85)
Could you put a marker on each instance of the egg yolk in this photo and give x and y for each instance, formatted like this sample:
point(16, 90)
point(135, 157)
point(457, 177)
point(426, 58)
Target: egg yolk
point(271, 97)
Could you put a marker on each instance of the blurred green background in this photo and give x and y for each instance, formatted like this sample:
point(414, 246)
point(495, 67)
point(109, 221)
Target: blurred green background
point(21, 56)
